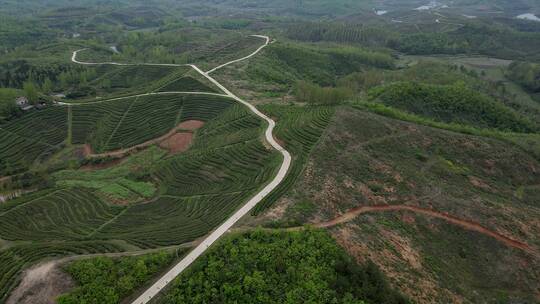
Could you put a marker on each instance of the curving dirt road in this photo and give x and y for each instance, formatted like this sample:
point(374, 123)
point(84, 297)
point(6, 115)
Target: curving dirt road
point(466, 224)
point(223, 228)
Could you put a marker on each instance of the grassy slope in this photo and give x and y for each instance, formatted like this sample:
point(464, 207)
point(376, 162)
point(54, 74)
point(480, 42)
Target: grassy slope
point(489, 77)
point(367, 159)
point(455, 103)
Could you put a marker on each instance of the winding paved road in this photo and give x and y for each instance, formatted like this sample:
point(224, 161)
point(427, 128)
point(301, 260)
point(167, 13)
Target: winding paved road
point(223, 228)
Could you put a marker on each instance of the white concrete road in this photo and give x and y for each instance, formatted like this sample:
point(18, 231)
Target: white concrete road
point(162, 282)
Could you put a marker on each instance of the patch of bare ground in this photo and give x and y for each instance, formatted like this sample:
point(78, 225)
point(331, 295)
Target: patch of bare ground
point(393, 262)
point(479, 183)
point(179, 142)
point(466, 224)
point(191, 125)
point(42, 284)
point(87, 150)
point(277, 211)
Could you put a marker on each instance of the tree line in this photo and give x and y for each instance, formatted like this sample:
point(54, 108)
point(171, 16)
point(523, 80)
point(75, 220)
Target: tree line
point(475, 37)
point(452, 103)
point(526, 74)
point(281, 267)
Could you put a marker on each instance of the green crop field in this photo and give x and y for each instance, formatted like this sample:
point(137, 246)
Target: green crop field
point(187, 84)
point(200, 188)
point(106, 126)
point(220, 53)
point(424, 111)
point(164, 199)
point(114, 80)
point(197, 190)
point(31, 137)
point(131, 121)
point(299, 129)
point(59, 215)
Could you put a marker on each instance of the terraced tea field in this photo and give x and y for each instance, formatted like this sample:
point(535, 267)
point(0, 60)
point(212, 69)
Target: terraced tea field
point(31, 137)
point(61, 215)
point(299, 129)
point(192, 193)
point(127, 122)
point(215, 55)
point(199, 190)
point(133, 79)
point(187, 83)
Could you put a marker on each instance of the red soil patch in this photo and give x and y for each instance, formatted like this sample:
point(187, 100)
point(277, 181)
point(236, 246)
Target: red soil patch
point(191, 125)
point(466, 224)
point(177, 143)
point(280, 142)
point(87, 150)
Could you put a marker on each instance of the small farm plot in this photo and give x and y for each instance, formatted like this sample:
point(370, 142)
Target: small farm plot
point(59, 215)
point(218, 54)
point(171, 220)
point(241, 167)
point(35, 134)
point(188, 84)
point(125, 123)
point(228, 155)
point(136, 78)
point(202, 187)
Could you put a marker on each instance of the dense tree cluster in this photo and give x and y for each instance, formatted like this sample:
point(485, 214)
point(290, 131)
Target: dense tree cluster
point(105, 280)
point(47, 77)
point(281, 267)
point(423, 71)
point(451, 103)
point(8, 108)
point(285, 63)
point(526, 74)
point(314, 94)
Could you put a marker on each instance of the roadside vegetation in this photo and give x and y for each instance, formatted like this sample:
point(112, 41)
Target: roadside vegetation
point(281, 267)
point(110, 280)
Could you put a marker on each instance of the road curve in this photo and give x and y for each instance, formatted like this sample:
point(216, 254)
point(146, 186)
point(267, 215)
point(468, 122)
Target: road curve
point(162, 282)
point(244, 58)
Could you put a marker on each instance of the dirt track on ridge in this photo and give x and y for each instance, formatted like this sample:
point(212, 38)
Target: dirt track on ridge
point(466, 224)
